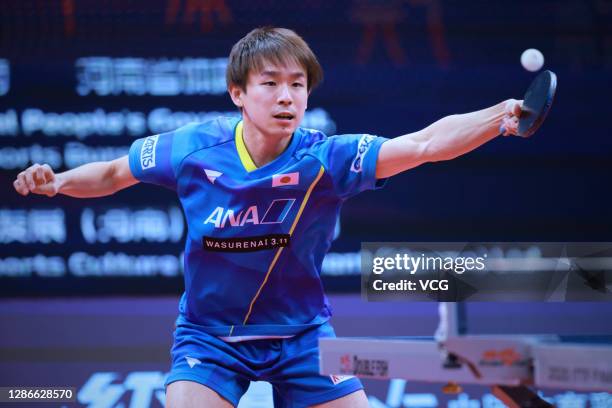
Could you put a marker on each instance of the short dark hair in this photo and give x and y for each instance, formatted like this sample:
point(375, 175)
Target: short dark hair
point(275, 45)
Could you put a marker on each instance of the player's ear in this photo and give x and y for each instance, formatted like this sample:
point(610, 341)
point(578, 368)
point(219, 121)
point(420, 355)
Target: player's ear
point(236, 94)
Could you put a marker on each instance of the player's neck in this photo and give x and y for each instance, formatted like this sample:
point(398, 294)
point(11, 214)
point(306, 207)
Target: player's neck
point(261, 147)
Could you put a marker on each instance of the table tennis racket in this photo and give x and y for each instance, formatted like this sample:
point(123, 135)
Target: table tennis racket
point(536, 103)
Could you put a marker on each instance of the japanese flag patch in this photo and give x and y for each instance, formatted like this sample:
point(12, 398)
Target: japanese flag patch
point(288, 179)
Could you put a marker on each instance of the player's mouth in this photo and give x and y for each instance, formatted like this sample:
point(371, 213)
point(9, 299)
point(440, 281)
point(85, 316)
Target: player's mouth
point(284, 116)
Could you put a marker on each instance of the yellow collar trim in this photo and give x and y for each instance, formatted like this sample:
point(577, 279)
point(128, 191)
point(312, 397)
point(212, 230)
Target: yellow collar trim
point(243, 153)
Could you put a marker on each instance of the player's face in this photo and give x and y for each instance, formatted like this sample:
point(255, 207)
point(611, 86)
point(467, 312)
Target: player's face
point(275, 99)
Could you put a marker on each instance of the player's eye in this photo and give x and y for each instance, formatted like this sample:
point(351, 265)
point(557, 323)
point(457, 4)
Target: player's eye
point(298, 85)
point(269, 83)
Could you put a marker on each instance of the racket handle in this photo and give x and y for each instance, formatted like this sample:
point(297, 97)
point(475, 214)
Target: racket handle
point(502, 130)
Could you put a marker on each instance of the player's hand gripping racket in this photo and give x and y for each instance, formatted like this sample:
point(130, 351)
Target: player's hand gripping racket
point(536, 103)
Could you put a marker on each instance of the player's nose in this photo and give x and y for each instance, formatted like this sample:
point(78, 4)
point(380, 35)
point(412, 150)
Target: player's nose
point(284, 95)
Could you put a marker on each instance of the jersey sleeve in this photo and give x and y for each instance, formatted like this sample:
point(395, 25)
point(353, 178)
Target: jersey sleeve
point(151, 160)
point(155, 159)
point(351, 160)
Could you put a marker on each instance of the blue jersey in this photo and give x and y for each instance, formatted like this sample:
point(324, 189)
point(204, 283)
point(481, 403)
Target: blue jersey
point(256, 236)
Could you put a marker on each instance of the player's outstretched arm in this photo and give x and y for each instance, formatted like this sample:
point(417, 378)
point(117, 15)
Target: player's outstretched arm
point(90, 180)
point(447, 138)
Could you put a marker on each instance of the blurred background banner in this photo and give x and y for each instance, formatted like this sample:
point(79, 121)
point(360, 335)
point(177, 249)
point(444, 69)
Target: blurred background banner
point(81, 80)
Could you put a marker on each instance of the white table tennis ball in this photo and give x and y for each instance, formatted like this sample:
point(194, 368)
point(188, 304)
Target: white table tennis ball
point(532, 59)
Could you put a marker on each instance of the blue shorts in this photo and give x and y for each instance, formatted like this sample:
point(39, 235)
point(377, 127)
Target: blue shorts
point(291, 365)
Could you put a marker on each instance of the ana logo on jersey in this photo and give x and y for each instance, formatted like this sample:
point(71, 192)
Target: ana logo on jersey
point(362, 148)
point(274, 214)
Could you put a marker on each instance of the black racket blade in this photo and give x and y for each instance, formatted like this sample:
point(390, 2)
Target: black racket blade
point(537, 102)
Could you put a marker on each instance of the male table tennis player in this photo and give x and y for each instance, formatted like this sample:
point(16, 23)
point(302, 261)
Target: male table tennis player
point(261, 196)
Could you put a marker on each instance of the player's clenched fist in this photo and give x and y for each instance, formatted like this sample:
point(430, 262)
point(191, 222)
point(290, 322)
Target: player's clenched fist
point(37, 179)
